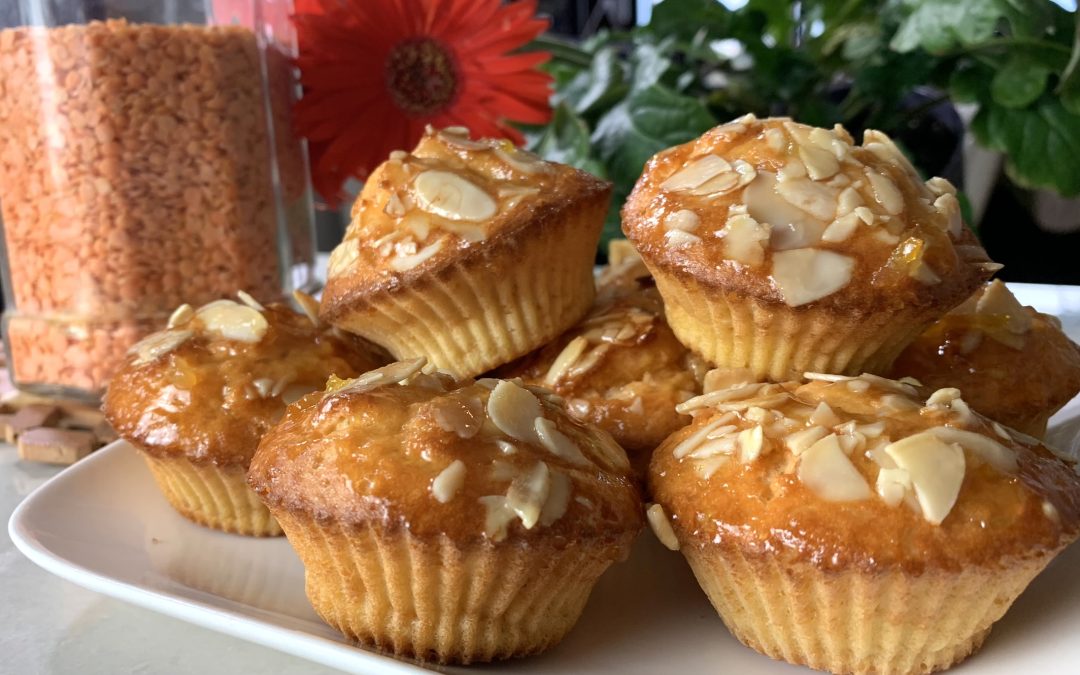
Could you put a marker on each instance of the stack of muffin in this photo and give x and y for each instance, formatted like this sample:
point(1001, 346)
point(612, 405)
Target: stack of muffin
point(729, 368)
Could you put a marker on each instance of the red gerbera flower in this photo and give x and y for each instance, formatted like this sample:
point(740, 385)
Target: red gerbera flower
point(375, 72)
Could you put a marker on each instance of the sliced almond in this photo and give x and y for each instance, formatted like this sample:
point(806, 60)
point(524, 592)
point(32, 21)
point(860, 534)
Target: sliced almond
point(157, 344)
point(697, 172)
point(699, 436)
point(997, 300)
point(750, 442)
point(449, 195)
point(683, 219)
point(233, 321)
point(744, 239)
point(989, 450)
point(661, 526)
point(820, 164)
point(790, 227)
point(499, 515)
point(679, 239)
point(309, 305)
point(936, 469)
point(513, 410)
point(569, 355)
point(823, 415)
point(775, 139)
point(180, 316)
point(558, 499)
point(445, 486)
point(813, 198)
point(392, 373)
point(528, 493)
point(885, 192)
point(829, 473)
point(407, 262)
point(798, 442)
point(847, 201)
point(556, 442)
point(940, 186)
point(892, 485)
point(948, 206)
point(807, 274)
point(882, 147)
point(841, 228)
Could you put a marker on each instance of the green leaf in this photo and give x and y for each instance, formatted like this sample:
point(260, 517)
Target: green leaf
point(597, 88)
point(1019, 82)
point(683, 19)
point(968, 83)
point(566, 140)
point(1069, 85)
point(938, 26)
point(650, 63)
point(647, 122)
point(1041, 144)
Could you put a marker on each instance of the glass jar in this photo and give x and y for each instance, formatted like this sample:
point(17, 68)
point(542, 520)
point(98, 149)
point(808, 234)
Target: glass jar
point(146, 160)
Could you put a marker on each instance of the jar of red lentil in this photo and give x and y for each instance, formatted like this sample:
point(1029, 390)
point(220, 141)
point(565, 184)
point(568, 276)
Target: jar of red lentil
point(146, 160)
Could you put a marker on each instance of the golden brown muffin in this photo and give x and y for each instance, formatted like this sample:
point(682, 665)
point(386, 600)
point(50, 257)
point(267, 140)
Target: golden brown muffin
point(447, 522)
point(620, 367)
point(848, 525)
point(196, 398)
point(1013, 364)
point(782, 248)
point(469, 253)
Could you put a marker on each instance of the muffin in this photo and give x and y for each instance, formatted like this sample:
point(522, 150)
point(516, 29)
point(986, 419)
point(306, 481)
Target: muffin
point(195, 399)
point(468, 253)
point(620, 368)
point(848, 525)
point(447, 522)
point(782, 248)
point(1013, 364)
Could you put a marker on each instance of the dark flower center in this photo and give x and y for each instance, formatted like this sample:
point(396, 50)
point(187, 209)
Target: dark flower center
point(421, 76)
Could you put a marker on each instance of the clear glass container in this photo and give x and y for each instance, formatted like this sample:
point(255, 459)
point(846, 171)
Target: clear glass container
point(146, 160)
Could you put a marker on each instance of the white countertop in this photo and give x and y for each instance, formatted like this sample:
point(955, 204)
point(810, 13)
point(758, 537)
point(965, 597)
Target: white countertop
point(52, 626)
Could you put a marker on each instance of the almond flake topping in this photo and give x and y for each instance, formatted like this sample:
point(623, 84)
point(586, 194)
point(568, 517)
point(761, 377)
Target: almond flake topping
point(661, 526)
point(827, 471)
point(936, 469)
point(393, 373)
point(745, 239)
point(683, 219)
point(996, 299)
point(680, 239)
point(807, 274)
point(446, 194)
point(513, 409)
point(403, 263)
point(157, 344)
point(885, 192)
point(698, 172)
point(446, 485)
point(558, 443)
point(180, 316)
point(309, 305)
point(528, 493)
point(233, 321)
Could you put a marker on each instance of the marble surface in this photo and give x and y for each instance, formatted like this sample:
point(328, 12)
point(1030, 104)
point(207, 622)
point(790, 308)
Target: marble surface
point(52, 626)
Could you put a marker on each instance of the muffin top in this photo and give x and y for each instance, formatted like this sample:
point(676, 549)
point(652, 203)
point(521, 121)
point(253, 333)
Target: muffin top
point(861, 472)
point(211, 384)
point(794, 214)
point(621, 367)
point(451, 197)
point(1012, 363)
point(486, 460)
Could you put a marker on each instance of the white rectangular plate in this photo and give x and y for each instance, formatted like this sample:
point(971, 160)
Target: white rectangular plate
point(103, 524)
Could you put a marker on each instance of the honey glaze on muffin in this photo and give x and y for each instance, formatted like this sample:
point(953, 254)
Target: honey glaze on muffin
point(621, 367)
point(489, 460)
point(862, 473)
point(449, 195)
point(798, 214)
point(1014, 364)
point(209, 386)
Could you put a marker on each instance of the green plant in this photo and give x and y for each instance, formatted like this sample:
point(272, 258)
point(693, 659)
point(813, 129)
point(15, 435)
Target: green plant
point(621, 97)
